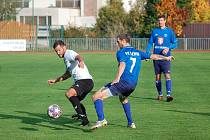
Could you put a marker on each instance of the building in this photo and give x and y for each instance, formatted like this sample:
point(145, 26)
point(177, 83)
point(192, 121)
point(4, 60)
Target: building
point(54, 13)
point(79, 13)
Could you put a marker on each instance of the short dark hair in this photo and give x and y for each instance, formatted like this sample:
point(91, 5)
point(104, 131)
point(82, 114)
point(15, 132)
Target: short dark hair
point(162, 16)
point(58, 42)
point(124, 36)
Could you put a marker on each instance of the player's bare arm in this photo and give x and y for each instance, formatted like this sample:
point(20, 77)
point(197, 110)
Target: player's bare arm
point(81, 61)
point(161, 57)
point(65, 76)
point(120, 71)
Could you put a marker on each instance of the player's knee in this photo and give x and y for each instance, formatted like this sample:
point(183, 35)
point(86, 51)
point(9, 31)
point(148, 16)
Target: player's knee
point(96, 96)
point(123, 100)
point(167, 76)
point(157, 78)
point(70, 93)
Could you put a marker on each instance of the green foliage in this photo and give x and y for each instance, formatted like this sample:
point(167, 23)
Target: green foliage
point(55, 33)
point(139, 22)
point(74, 32)
point(77, 32)
point(112, 20)
point(200, 11)
point(150, 19)
point(183, 3)
point(135, 19)
point(176, 17)
point(7, 10)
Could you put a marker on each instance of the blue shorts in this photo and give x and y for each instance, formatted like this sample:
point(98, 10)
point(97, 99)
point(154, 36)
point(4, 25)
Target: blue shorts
point(161, 66)
point(121, 88)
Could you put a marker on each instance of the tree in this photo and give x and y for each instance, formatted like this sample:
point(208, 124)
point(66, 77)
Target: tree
point(150, 19)
point(7, 10)
point(135, 19)
point(183, 3)
point(76, 32)
point(176, 17)
point(200, 11)
point(112, 19)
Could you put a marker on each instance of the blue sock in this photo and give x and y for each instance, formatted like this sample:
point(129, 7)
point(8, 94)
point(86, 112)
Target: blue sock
point(159, 87)
point(99, 109)
point(127, 111)
point(168, 87)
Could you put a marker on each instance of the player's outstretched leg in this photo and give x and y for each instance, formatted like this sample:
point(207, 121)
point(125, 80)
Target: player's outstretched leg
point(99, 124)
point(99, 111)
point(98, 98)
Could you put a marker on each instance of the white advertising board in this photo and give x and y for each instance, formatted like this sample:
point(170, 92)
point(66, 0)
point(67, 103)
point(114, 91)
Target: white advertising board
point(12, 45)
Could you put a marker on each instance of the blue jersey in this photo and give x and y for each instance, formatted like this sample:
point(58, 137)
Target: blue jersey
point(162, 38)
point(132, 59)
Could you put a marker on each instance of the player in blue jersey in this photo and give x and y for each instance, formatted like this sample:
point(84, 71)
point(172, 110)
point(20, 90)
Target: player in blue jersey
point(164, 40)
point(129, 65)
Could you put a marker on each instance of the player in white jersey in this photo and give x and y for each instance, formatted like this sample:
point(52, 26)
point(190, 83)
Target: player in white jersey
point(83, 81)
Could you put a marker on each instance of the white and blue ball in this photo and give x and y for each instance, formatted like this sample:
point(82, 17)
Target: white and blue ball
point(54, 111)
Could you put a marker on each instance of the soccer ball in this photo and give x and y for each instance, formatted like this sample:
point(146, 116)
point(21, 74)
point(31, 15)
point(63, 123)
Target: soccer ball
point(54, 111)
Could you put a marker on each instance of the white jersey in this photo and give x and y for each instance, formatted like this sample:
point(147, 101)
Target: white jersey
point(73, 68)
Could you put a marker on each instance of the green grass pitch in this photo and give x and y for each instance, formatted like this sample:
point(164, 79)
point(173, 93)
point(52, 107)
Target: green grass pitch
point(25, 97)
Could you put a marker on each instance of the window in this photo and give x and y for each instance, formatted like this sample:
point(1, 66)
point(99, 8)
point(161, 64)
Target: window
point(68, 3)
point(26, 4)
point(29, 20)
point(42, 21)
point(21, 19)
point(77, 4)
point(49, 20)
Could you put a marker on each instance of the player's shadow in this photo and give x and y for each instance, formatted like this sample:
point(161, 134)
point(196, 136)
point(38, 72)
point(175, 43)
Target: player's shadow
point(144, 98)
point(189, 112)
point(37, 119)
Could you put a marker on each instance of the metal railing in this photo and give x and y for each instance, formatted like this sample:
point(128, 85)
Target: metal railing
point(109, 44)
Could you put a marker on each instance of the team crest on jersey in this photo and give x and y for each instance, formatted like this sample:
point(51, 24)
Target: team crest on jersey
point(160, 40)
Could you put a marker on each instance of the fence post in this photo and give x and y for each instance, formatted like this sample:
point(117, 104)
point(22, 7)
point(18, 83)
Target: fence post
point(86, 42)
point(36, 35)
point(62, 32)
point(49, 36)
point(33, 24)
point(185, 43)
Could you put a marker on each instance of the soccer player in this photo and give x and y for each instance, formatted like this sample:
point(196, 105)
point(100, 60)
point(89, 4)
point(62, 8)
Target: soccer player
point(125, 81)
point(83, 83)
point(164, 40)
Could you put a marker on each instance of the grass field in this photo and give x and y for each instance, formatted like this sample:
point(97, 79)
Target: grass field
point(25, 96)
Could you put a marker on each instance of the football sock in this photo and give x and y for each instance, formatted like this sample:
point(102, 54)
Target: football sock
point(159, 87)
point(83, 108)
point(99, 109)
point(127, 111)
point(168, 87)
point(76, 104)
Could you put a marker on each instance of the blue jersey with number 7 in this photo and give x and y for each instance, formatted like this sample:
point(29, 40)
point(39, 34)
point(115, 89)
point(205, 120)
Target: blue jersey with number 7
point(132, 59)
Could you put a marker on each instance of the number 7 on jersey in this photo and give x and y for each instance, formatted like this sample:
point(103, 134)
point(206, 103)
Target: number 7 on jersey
point(133, 63)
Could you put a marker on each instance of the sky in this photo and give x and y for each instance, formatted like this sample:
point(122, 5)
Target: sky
point(126, 4)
